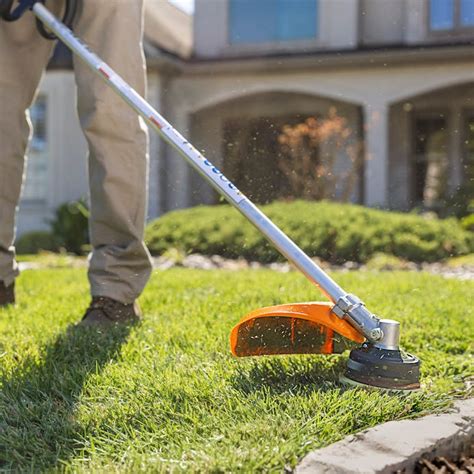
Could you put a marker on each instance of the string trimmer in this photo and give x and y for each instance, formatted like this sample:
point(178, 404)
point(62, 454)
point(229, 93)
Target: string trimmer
point(301, 328)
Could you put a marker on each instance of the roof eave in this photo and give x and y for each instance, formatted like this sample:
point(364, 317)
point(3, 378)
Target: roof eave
point(373, 57)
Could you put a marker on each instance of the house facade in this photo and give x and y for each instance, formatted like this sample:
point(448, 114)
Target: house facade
point(400, 73)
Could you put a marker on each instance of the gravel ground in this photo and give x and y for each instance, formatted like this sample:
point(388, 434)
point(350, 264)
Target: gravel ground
point(464, 272)
point(461, 272)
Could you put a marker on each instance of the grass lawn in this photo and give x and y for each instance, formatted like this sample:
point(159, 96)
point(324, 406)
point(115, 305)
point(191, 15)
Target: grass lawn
point(168, 396)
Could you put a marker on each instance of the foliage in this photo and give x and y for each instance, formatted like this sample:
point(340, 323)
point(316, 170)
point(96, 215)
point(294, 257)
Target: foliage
point(70, 226)
point(331, 231)
point(35, 242)
point(466, 261)
point(461, 203)
point(69, 231)
point(468, 222)
point(310, 152)
point(169, 397)
point(383, 262)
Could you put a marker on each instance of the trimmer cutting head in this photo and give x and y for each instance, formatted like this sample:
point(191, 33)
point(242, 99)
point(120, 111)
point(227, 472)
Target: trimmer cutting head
point(382, 368)
point(312, 328)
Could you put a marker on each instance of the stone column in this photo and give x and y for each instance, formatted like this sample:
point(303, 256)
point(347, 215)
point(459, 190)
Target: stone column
point(155, 205)
point(400, 156)
point(455, 147)
point(376, 164)
point(178, 171)
point(207, 137)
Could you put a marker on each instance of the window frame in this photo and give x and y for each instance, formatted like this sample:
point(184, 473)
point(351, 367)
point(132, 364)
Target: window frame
point(45, 198)
point(458, 29)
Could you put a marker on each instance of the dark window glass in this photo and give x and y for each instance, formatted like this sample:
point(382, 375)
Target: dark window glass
point(430, 166)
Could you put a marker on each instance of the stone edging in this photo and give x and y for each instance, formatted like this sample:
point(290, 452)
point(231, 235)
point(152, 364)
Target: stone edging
point(396, 445)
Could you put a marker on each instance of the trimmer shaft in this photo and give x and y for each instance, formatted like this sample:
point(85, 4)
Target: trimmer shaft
point(383, 368)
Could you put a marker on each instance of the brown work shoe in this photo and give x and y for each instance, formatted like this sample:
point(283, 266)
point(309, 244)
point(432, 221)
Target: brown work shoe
point(7, 294)
point(106, 312)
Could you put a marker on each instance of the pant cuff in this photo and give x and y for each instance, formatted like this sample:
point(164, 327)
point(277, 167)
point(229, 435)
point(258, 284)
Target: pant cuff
point(9, 277)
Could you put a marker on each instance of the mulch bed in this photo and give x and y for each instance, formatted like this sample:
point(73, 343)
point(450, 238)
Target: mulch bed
point(441, 465)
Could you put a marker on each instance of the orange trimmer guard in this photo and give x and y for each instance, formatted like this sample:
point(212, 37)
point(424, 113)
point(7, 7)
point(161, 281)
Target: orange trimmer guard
point(300, 328)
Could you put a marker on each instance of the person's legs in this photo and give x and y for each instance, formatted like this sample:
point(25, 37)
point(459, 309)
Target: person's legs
point(120, 264)
point(23, 57)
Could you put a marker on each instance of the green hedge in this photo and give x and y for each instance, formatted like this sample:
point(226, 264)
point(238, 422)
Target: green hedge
point(468, 222)
point(331, 231)
point(35, 242)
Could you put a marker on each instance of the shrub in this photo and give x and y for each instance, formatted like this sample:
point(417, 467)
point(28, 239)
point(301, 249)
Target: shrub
point(461, 203)
point(311, 173)
point(468, 222)
point(70, 226)
point(35, 242)
point(381, 261)
point(331, 231)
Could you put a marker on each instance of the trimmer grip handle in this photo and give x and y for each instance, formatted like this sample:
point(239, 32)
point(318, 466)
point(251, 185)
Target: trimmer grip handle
point(8, 13)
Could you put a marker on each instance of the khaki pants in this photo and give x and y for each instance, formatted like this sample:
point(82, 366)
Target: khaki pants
point(118, 142)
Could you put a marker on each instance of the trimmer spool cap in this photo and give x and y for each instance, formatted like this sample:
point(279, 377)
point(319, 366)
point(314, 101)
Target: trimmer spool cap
point(383, 368)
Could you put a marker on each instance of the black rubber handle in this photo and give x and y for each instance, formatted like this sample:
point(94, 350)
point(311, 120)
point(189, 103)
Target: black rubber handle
point(10, 13)
point(5, 7)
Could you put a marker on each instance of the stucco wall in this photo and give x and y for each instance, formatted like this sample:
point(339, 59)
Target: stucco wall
point(396, 22)
point(343, 24)
point(382, 21)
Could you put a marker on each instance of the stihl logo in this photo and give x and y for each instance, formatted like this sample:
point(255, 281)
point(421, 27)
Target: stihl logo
point(220, 174)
